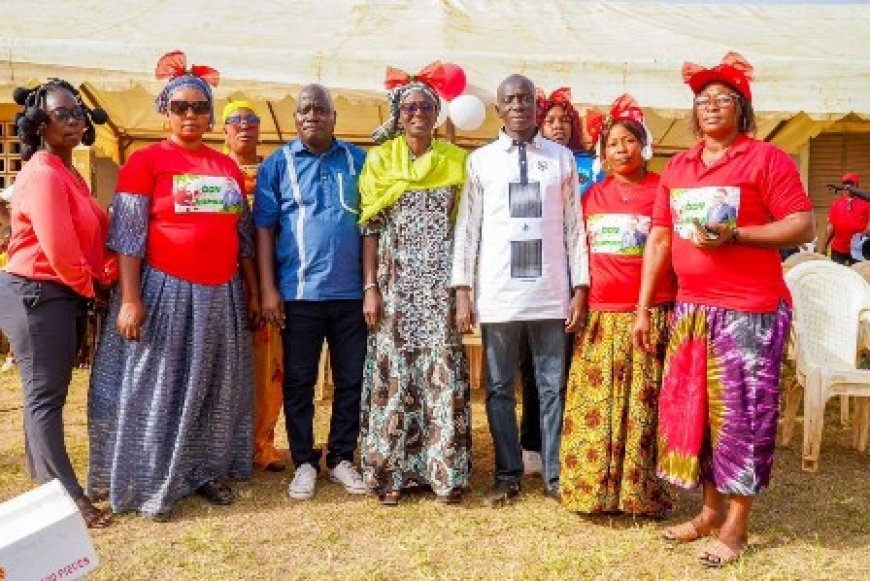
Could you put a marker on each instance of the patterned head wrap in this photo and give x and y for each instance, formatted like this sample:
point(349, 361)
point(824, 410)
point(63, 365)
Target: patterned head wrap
point(173, 66)
point(395, 97)
point(561, 98)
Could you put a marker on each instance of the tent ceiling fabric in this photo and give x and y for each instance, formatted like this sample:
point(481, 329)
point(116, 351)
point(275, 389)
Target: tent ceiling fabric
point(267, 50)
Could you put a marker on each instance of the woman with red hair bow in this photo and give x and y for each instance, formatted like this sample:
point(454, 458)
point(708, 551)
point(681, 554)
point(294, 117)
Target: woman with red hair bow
point(607, 454)
point(723, 210)
point(170, 403)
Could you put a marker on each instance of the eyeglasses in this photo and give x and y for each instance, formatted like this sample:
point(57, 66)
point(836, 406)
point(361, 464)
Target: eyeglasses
point(249, 120)
point(63, 114)
point(181, 107)
point(721, 100)
point(412, 108)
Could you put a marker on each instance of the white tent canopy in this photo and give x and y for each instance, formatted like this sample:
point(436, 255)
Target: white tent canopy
point(811, 58)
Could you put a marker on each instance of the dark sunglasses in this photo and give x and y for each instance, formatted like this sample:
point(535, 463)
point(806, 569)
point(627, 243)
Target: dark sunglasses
point(181, 107)
point(412, 108)
point(63, 115)
point(249, 120)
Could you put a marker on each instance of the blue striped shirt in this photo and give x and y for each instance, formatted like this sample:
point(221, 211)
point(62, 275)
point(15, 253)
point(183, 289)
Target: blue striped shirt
point(318, 244)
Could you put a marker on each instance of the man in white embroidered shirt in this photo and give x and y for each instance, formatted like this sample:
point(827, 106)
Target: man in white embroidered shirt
point(520, 246)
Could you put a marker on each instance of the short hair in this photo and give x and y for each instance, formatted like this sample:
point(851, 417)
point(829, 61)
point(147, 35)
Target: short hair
point(33, 114)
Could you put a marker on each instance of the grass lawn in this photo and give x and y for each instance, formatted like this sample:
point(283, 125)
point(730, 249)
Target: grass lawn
point(807, 526)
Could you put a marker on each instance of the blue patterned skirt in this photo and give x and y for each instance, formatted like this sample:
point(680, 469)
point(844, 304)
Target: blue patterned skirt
point(173, 411)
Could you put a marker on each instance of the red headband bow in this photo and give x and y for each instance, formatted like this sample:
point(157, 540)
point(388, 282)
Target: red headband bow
point(594, 124)
point(734, 70)
point(561, 96)
point(174, 64)
point(447, 79)
point(626, 107)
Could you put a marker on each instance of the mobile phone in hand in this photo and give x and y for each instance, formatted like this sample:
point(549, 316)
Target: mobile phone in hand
point(702, 231)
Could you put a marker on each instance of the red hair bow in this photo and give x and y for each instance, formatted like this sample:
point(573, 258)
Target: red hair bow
point(561, 96)
point(447, 79)
point(626, 107)
point(594, 124)
point(174, 64)
point(734, 70)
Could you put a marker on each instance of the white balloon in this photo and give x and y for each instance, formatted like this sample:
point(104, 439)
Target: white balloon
point(467, 112)
point(443, 109)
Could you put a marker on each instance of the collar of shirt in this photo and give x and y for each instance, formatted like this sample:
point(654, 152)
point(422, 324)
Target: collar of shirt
point(297, 147)
point(737, 147)
point(506, 142)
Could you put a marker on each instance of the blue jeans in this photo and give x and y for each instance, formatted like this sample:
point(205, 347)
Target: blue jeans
point(501, 343)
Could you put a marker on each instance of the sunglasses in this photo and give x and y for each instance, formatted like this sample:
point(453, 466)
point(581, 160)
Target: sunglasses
point(181, 107)
point(63, 114)
point(721, 100)
point(412, 108)
point(249, 120)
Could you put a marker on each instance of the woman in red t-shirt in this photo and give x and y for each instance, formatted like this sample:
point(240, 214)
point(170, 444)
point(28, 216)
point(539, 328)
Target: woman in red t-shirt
point(849, 215)
point(607, 454)
point(723, 210)
point(57, 260)
point(171, 395)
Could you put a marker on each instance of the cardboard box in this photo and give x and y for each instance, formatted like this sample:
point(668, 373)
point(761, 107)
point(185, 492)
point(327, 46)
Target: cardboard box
point(43, 537)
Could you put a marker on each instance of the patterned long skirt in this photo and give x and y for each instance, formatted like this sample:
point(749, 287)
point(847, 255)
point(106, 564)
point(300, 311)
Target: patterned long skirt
point(608, 454)
point(720, 397)
point(415, 426)
point(172, 411)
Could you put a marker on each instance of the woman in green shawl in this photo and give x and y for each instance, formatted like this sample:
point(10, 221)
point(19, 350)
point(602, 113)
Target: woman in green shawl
point(415, 427)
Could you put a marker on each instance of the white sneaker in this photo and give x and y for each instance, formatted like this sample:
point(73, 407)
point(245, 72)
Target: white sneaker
point(532, 462)
point(304, 481)
point(8, 365)
point(348, 476)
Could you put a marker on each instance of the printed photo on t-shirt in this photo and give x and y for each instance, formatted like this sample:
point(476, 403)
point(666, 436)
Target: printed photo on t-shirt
point(619, 234)
point(526, 259)
point(525, 199)
point(706, 207)
point(206, 194)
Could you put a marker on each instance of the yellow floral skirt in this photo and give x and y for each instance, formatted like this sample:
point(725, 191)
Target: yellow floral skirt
point(608, 451)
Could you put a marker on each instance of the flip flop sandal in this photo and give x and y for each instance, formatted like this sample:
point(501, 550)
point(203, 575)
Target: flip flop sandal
point(685, 532)
point(717, 554)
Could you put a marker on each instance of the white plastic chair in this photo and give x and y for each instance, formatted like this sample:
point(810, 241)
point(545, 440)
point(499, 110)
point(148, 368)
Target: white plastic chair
point(828, 301)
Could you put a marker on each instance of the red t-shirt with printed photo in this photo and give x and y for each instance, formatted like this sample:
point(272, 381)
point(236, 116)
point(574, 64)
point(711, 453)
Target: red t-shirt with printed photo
point(196, 200)
point(754, 183)
point(848, 216)
point(618, 218)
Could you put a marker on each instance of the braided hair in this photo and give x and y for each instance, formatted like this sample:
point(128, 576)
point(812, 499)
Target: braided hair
point(33, 115)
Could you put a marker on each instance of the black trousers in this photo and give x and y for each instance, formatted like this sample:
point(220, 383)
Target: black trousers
point(530, 422)
point(39, 318)
point(308, 323)
point(843, 258)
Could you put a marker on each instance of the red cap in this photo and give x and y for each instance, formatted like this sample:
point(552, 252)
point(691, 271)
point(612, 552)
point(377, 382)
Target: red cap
point(723, 74)
point(851, 177)
point(734, 71)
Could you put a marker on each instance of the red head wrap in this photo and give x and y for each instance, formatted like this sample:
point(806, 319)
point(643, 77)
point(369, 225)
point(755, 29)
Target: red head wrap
point(561, 98)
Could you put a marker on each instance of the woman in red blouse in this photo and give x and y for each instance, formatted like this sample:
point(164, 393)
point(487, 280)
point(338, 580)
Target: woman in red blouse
point(849, 215)
point(723, 210)
point(171, 395)
point(607, 453)
point(57, 260)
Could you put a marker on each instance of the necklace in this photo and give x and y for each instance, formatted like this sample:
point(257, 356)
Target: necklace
point(626, 188)
point(710, 159)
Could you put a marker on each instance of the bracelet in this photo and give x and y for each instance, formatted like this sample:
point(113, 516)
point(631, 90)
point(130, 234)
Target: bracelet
point(370, 286)
point(649, 310)
point(735, 234)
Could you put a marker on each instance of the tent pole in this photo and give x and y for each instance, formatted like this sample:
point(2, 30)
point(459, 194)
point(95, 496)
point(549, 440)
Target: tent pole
point(275, 120)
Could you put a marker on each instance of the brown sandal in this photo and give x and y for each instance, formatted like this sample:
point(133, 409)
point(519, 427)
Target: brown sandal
point(686, 532)
point(94, 517)
point(390, 498)
point(717, 554)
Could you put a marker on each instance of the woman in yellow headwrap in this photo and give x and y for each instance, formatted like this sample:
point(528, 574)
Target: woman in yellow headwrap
point(242, 128)
point(416, 414)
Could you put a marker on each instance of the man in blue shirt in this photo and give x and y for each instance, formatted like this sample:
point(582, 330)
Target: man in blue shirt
point(308, 251)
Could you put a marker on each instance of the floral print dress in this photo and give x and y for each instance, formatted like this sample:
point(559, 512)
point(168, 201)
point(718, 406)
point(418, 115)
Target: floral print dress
point(415, 424)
